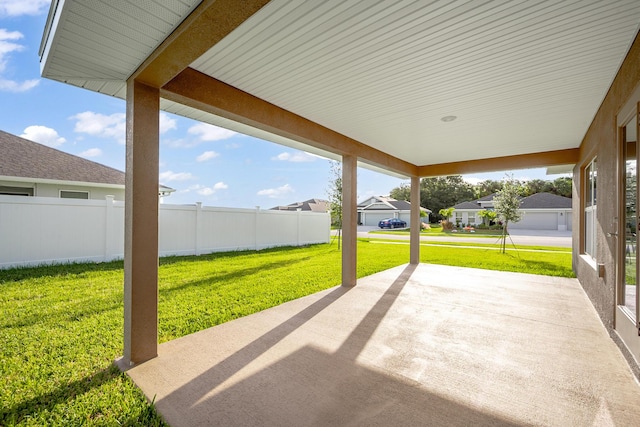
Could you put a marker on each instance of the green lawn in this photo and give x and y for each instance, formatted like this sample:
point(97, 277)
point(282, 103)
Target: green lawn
point(436, 230)
point(61, 326)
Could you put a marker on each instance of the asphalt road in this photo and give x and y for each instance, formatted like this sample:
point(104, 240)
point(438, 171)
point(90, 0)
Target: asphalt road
point(519, 237)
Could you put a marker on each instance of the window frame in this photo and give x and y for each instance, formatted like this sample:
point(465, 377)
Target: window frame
point(76, 192)
point(590, 208)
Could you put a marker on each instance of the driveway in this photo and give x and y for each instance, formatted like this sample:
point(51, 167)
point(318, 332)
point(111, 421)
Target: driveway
point(520, 237)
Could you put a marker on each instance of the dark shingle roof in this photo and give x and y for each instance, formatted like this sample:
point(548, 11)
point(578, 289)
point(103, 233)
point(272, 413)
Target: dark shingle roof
point(22, 158)
point(402, 205)
point(545, 201)
point(314, 205)
point(487, 198)
point(468, 205)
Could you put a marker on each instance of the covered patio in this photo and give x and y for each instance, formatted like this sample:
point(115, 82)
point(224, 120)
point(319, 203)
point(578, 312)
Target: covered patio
point(410, 88)
point(414, 345)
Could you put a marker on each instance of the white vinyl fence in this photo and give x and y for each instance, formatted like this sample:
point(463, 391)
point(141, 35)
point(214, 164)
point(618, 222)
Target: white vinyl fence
point(43, 230)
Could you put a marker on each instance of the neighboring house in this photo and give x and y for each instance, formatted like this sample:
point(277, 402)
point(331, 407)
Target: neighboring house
point(31, 169)
point(376, 208)
point(541, 211)
point(313, 205)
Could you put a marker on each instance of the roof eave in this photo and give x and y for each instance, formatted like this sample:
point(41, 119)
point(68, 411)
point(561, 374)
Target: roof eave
point(60, 182)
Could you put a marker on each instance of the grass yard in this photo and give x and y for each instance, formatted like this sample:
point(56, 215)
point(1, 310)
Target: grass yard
point(61, 326)
point(436, 230)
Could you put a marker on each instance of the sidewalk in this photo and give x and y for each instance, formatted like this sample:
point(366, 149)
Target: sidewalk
point(520, 237)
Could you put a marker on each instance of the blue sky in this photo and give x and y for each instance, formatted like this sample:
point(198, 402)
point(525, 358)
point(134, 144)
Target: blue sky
point(203, 163)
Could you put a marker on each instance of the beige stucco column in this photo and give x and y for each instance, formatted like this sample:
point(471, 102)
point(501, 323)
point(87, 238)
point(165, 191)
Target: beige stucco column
point(141, 224)
point(414, 257)
point(349, 219)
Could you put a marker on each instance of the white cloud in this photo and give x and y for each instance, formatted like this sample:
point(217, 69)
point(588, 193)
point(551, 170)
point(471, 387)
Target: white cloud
point(207, 132)
point(113, 125)
point(91, 152)
point(297, 157)
point(43, 135)
point(207, 155)
point(471, 180)
point(275, 193)
point(13, 86)
point(101, 125)
point(23, 7)
point(167, 123)
point(169, 176)
point(208, 191)
point(7, 46)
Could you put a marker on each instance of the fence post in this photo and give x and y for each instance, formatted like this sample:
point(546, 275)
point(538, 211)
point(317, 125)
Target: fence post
point(255, 235)
point(109, 250)
point(198, 228)
point(298, 213)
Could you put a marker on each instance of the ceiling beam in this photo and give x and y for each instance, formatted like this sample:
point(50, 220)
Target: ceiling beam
point(522, 161)
point(198, 90)
point(209, 23)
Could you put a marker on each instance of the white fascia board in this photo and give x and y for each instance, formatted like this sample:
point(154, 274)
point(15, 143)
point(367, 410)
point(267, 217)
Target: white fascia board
point(50, 33)
point(58, 181)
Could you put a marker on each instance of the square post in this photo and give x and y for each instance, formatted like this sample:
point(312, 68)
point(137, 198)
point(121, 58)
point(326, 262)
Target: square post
point(349, 219)
point(141, 224)
point(414, 237)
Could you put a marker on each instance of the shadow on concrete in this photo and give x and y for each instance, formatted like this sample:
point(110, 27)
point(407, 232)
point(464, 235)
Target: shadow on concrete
point(313, 387)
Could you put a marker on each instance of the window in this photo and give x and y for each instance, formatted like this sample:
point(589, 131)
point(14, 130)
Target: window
point(16, 191)
point(472, 219)
point(68, 194)
point(458, 218)
point(590, 223)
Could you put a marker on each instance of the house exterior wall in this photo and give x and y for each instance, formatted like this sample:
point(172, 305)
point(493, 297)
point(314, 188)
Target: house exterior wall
point(406, 217)
point(532, 219)
point(543, 219)
point(371, 218)
point(465, 215)
point(601, 141)
point(53, 190)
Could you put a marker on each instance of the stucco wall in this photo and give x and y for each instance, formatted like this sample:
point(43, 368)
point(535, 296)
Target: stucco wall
point(95, 193)
point(53, 190)
point(600, 140)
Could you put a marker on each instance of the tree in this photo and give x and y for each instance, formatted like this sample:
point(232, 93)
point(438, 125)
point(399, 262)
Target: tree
point(537, 186)
point(487, 187)
point(444, 192)
point(487, 216)
point(506, 204)
point(403, 192)
point(446, 214)
point(334, 192)
point(563, 186)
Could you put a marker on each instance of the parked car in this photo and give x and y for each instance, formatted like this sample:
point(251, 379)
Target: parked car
point(392, 223)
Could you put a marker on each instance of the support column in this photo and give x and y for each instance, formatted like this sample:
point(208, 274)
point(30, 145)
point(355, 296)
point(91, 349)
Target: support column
point(349, 219)
point(414, 237)
point(141, 224)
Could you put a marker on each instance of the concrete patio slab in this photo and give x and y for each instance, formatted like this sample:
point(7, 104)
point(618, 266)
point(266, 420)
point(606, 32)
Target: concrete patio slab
point(413, 345)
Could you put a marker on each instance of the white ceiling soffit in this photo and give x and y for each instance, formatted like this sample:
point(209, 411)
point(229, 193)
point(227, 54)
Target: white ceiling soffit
point(97, 45)
point(521, 76)
point(560, 169)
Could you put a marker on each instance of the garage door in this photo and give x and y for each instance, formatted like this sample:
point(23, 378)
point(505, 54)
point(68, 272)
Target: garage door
point(406, 217)
point(372, 218)
point(537, 221)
